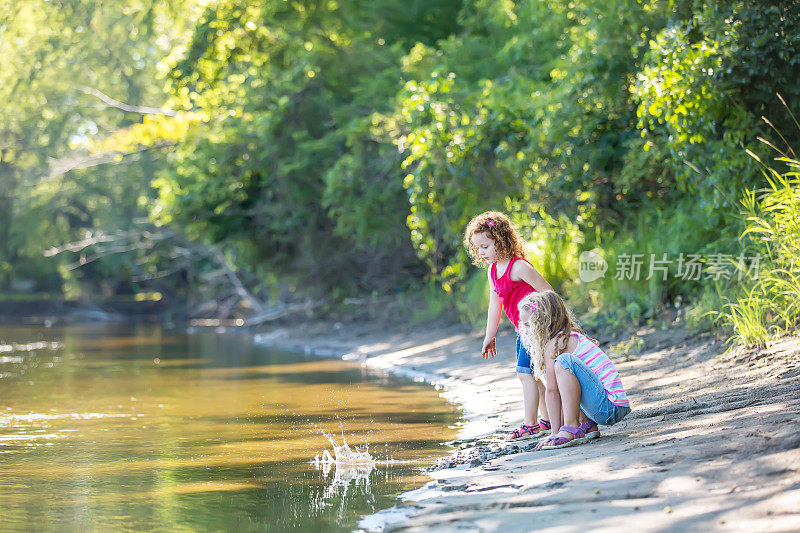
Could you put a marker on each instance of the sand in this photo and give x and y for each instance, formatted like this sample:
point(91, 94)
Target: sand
point(712, 443)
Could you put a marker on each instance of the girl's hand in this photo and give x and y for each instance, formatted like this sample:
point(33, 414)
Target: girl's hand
point(489, 348)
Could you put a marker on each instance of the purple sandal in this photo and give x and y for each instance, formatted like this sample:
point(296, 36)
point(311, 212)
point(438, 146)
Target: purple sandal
point(590, 429)
point(554, 442)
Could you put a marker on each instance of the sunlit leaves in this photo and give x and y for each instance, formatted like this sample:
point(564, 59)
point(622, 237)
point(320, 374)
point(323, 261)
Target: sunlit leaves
point(152, 131)
point(702, 89)
point(52, 52)
point(291, 96)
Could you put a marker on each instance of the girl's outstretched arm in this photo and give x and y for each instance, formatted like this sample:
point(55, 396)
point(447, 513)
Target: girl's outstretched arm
point(492, 321)
point(524, 271)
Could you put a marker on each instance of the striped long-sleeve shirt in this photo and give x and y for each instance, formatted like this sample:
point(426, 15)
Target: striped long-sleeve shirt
point(599, 363)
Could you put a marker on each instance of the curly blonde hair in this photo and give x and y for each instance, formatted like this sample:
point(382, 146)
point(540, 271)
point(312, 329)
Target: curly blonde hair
point(542, 317)
point(499, 228)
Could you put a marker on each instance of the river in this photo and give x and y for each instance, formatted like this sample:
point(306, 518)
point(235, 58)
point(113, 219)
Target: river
point(142, 427)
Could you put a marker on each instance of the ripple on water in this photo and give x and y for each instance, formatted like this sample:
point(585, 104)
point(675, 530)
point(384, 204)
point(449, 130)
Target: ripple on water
point(11, 418)
point(29, 347)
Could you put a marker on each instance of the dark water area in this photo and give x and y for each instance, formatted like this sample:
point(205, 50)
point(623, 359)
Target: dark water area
point(140, 427)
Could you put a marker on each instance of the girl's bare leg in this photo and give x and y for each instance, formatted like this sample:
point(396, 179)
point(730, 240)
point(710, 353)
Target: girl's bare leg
point(542, 406)
point(530, 397)
point(570, 390)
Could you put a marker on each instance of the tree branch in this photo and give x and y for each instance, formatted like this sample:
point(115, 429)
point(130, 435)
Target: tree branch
point(183, 250)
point(64, 165)
point(144, 110)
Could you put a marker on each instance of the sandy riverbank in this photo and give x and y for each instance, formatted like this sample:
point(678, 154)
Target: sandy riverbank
point(712, 443)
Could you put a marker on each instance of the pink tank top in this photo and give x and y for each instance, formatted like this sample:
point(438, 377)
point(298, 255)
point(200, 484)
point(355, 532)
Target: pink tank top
point(509, 291)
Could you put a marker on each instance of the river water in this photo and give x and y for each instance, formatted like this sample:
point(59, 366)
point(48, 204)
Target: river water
point(141, 427)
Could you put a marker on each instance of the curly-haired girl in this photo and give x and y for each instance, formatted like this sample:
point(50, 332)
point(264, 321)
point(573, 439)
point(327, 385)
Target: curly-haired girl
point(493, 241)
point(582, 382)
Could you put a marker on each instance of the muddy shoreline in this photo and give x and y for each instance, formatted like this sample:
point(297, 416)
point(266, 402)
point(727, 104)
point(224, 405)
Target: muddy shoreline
point(711, 443)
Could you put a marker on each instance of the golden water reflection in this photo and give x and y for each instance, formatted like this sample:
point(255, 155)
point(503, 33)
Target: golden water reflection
point(144, 428)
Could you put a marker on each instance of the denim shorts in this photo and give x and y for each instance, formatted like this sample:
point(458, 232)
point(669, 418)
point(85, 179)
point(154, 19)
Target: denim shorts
point(594, 400)
point(523, 358)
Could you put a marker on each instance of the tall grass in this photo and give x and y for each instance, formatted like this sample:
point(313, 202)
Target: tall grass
point(771, 303)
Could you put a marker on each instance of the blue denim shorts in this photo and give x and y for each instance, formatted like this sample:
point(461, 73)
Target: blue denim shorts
point(594, 401)
point(523, 358)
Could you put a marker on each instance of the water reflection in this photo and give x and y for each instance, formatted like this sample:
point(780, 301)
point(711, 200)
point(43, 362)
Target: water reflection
point(345, 474)
point(145, 428)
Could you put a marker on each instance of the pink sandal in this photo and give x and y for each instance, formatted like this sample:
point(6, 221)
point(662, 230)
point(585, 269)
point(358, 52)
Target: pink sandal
point(530, 432)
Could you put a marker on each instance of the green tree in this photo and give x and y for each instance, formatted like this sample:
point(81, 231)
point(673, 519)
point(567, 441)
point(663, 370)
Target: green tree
point(287, 166)
point(70, 73)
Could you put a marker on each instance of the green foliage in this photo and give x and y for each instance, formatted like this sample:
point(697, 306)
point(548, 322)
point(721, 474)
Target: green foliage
point(747, 318)
point(771, 302)
point(701, 314)
point(467, 302)
point(362, 193)
point(553, 249)
point(343, 145)
point(703, 88)
point(451, 176)
point(532, 129)
point(630, 292)
point(435, 303)
point(293, 162)
point(474, 300)
point(51, 190)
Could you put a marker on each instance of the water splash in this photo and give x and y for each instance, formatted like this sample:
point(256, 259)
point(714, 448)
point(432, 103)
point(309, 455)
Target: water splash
point(343, 455)
point(351, 468)
point(346, 456)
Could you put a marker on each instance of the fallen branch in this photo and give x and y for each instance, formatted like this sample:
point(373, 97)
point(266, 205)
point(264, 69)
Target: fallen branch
point(183, 252)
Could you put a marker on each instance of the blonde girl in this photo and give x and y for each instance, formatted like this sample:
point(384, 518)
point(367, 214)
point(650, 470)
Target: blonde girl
point(583, 388)
point(493, 242)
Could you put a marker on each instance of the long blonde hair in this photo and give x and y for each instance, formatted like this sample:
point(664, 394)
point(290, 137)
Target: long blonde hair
point(542, 317)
